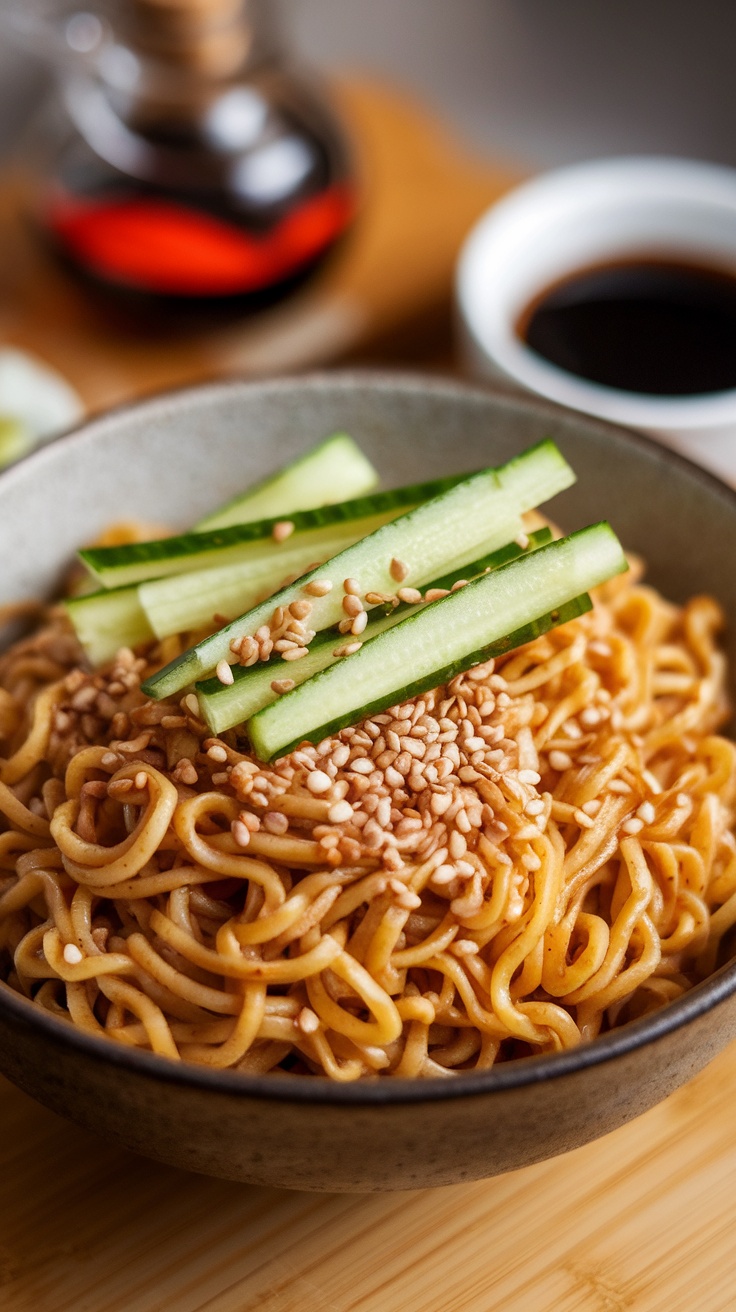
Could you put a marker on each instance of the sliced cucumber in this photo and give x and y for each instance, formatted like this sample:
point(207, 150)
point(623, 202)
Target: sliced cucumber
point(137, 561)
point(475, 514)
point(438, 641)
point(181, 602)
point(105, 621)
point(224, 705)
point(332, 471)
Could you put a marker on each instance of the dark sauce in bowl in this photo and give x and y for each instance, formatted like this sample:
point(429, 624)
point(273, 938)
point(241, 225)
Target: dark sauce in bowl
point(657, 327)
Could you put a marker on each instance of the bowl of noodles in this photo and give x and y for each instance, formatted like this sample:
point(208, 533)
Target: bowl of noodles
point(469, 932)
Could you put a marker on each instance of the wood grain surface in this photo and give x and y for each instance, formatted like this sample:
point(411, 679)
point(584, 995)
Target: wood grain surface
point(644, 1219)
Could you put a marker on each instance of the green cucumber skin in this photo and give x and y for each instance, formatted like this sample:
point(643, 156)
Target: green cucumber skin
point(108, 620)
point(224, 705)
point(179, 603)
point(566, 568)
point(571, 610)
point(306, 484)
point(551, 474)
point(135, 562)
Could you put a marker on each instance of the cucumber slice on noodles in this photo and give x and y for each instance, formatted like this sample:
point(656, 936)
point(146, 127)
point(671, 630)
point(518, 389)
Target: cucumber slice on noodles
point(225, 705)
point(428, 648)
point(482, 512)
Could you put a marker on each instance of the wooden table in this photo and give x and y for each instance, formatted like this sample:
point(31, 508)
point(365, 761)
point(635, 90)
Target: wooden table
point(643, 1219)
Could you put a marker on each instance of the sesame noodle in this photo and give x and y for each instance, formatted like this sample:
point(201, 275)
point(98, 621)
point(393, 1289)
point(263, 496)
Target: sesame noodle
point(508, 865)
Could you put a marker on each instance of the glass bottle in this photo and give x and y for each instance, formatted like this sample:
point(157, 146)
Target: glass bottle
point(196, 168)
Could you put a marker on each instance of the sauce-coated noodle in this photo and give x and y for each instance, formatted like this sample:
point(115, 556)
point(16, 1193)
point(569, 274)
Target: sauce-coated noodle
point(509, 865)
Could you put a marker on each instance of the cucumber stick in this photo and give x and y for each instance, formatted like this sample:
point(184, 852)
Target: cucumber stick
point(334, 470)
point(438, 641)
point(224, 705)
point(181, 602)
point(477, 514)
point(108, 620)
point(136, 561)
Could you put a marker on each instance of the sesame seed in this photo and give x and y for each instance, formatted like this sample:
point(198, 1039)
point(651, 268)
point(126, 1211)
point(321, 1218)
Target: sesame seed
point(141, 780)
point(410, 595)
point(590, 717)
point(464, 947)
point(307, 1021)
point(646, 812)
point(682, 799)
point(398, 570)
point(461, 583)
point(294, 653)
point(281, 686)
point(618, 786)
point(318, 587)
point(529, 777)
point(352, 605)
point(318, 781)
point(191, 702)
point(600, 648)
point(359, 623)
point(300, 609)
point(224, 673)
point(457, 845)
point(274, 822)
point(522, 541)
point(351, 587)
point(444, 874)
point(349, 649)
point(72, 955)
point(592, 807)
point(559, 761)
point(632, 826)
point(535, 807)
point(363, 765)
point(436, 594)
point(240, 832)
point(282, 530)
point(339, 812)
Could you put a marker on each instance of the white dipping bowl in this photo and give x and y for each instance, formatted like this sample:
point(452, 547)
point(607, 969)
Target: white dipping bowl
point(578, 217)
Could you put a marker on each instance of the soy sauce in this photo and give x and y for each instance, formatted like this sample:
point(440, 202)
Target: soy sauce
point(657, 327)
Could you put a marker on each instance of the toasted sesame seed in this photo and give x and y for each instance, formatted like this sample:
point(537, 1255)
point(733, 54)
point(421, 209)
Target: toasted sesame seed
point(352, 605)
point(464, 947)
point(363, 765)
point(294, 653)
point(282, 530)
point(632, 826)
point(410, 595)
point(461, 583)
point(240, 832)
point(224, 673)
point(436, 594)
point(529, 777)
point(559, 761)
point(318, 781)
point(582, 819)
point(592, 807)
point(398, 570)
point(300, 609)
point(618, 786)
point(351, 587)
point(281, 686)
point(307, 1021)
point(339, 812)
point(318, 587)
point(646, 812)
point(275, 822)
point(191, 702)
point(359, 623)
point(535, 807)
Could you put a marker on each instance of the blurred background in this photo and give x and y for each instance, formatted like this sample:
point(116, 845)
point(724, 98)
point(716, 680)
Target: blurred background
point(539, 82)
point(445, 107)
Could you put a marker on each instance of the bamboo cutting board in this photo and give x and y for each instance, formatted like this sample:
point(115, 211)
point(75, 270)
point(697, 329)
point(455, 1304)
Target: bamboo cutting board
point(644, 1219)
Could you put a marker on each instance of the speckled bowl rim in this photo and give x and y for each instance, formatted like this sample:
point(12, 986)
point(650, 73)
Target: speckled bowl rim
point(317, 1090)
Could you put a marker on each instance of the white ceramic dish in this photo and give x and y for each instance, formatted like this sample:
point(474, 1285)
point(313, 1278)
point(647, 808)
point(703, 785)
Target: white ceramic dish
point(581, 216)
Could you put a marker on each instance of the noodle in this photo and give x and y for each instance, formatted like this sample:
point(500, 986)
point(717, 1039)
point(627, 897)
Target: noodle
point(512, 864)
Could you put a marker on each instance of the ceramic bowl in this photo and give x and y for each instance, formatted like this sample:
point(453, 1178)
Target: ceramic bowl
point(170, 459)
